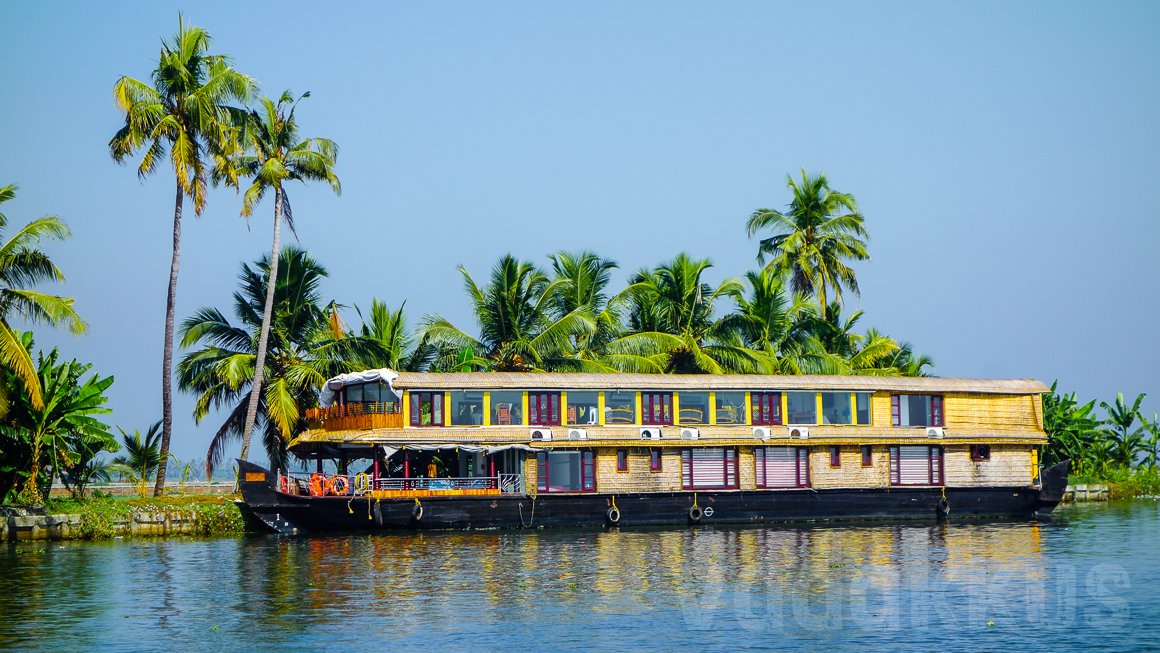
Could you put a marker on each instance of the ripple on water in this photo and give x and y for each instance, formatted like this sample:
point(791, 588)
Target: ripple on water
point(1084, 579)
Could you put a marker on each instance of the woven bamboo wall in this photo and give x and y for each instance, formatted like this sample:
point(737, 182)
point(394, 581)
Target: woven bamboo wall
point(1009, 465)
point(851, 473)
point(747, 468)
point(638, 478)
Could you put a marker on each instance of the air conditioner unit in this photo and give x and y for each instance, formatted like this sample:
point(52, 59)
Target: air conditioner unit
point(935, 432)
point(799, 432)
point(689, 433)
point(650, 433)
point(577, 434)
point(762, 432)
point(542, 435)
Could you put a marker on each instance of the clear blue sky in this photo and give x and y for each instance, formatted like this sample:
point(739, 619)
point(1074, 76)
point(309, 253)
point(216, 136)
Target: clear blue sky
point(1006, 156)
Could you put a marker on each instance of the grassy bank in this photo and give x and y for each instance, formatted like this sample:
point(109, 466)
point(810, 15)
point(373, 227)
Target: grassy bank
point(210, 515)
point(1125, 483)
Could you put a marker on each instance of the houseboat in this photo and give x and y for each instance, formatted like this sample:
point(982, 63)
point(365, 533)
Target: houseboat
point(403, 450)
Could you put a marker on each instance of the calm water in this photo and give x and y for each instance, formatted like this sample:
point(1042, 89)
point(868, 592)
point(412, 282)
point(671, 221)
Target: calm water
point(1088, 579)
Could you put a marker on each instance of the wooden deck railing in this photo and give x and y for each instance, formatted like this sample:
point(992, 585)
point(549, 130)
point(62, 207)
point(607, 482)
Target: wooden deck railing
point(355, 416)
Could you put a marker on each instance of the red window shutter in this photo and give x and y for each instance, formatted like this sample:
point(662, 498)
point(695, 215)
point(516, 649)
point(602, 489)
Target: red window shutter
point(896, 410)
point(936, 410)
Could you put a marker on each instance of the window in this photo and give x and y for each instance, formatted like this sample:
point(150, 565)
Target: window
point(802, 407)
point(654, 460)
point(582, 407)
point(867, 456)
point(466, 408)
point(766, 407)
point(657, 407)
point(371, 394)
point(916, 410)
point(620, 408)
point(980, 452)
point(426, 409)
point(862, 401)
point(622, 460)
point(782, 466)
point(836, 408)
point(507, 407)
point(835, 457)
point(709, 468)
point(565, 471)
point(916, 465)
point(730, 407)
point(694, 408)
point(544, 408)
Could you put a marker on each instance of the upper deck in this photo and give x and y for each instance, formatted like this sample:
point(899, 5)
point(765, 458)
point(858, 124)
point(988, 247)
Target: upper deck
point(585, 409)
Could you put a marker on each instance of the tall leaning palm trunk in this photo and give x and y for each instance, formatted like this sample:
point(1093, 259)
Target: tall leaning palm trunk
point(185, 113)
point(275, 155)
point(264, 334)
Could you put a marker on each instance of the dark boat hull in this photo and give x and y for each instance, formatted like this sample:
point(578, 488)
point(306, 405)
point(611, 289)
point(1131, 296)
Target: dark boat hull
point(301, 514)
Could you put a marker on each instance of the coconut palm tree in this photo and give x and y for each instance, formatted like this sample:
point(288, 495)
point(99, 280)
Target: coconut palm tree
point(141, 458)
point(399, 349)
point(773, 321)
point(305, 349)
point(274, 156)
point(671, 321)
point(22, 266)
point(1125, 437)
point(813, 240)
point(185, 112)
point(906, 362)
point(517, 331)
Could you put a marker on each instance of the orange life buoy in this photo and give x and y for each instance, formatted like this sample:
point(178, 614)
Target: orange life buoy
point(284, 485)
point(317, 484)
point(338, 486)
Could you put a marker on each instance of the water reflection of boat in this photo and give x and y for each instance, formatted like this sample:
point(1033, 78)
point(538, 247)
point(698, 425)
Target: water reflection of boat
point(529, 450)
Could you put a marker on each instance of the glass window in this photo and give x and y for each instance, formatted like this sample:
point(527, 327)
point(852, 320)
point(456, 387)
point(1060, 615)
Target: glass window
point(980, 452)
point(835, 457)
point(694, 407)
point(730, 407)
point(353, 394)
point(565, 471)
point(654, 462)
point(802, 407)
point(867, 456)
point(620, 408)
point(916, 410)
point(836, 408)
point(426, 409)
point(507, 407)
point(622, 460)
point(582, 407)
point(863, 405)
point(544, 408)
point(657, 407)
point(466, 408)
point(766, 407)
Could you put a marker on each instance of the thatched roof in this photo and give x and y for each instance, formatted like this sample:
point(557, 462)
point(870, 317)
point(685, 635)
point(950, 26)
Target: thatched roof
point(716, 382)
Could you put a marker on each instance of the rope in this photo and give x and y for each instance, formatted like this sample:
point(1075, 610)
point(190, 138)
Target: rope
point(614, 503)
point(695, 500)
point(533, 517)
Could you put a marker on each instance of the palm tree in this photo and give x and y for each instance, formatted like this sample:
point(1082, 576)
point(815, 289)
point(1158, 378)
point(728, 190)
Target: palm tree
point(23, 265)
point(399, 349)
point(906, 362)
point(304, 351)
point(671, 321)
point(517, 329)
point(275, 155)
point(186, 113)
point(1126, 438)
point(1072, 431)
point(141, 458)
point(814, 239)
point(773, 321)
